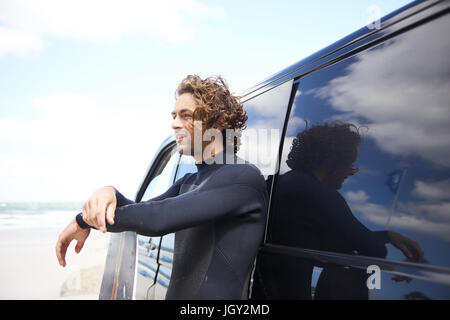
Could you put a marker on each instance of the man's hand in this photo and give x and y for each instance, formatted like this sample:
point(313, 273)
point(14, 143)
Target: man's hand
point(409, 247)
point(99, 207)
point(72, 232)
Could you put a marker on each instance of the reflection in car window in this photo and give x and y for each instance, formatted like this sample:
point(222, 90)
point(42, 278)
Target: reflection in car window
point(260, 141)
point(164, 180)
point(148, 246)
point(367, 149)
point(187, 165)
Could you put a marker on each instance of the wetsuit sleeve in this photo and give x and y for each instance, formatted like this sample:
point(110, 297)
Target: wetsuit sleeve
point(122, 200)
point(212, 201)
point(365, 241)
point(156, 218)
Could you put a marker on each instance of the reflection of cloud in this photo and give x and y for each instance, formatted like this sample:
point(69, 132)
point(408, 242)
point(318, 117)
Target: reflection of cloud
point(400, 220)
point(98, 20)
point(261, 139)
point(428, 217)
point(357, 196)
point(271, 104)
point(405, 101)
point(438, 190)
point(287, 146)
point(438, 212)
point(260, 147)
point(296, 125)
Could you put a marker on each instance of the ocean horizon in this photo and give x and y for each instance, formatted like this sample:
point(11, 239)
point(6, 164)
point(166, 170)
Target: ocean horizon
point(37, 215)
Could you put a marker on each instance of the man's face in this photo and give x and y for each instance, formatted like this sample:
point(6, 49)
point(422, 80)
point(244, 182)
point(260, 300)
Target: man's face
point(336, 179)
point(183, 123)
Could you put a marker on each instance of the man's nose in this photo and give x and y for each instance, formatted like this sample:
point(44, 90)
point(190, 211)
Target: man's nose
point(176, 123)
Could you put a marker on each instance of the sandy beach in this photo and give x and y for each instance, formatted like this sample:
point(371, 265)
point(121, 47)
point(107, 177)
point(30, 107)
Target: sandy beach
point(29, 268)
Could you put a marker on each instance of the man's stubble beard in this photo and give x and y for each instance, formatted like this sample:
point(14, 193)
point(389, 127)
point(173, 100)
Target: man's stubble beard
point(187, 148)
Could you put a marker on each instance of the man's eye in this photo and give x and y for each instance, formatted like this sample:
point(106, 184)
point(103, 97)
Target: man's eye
point(186, 116)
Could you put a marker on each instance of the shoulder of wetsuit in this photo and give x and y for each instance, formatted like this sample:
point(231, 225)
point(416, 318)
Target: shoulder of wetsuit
point(241, 173)
point(295, 181)
point(184, 178)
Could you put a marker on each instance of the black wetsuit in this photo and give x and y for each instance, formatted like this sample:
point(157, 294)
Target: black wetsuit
point(218, 215)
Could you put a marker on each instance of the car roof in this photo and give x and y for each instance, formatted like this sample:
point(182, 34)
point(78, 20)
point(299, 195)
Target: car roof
point(325, 54)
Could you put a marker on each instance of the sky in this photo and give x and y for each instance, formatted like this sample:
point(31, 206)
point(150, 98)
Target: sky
point(87, 87)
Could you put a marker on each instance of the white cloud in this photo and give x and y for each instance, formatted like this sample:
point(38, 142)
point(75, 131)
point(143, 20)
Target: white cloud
point(405, 101)
point(431, 218)
point(18, 42)
point(438, 212)
point(273, 103)
point(77, 145)
point(107, 20)
point(287, 146)
point(259, 145)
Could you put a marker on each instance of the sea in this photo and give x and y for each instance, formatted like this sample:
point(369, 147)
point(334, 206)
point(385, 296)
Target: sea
point(37, 215)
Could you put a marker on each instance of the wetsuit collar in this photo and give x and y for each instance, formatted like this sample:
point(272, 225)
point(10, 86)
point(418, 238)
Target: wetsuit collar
point(218, 159)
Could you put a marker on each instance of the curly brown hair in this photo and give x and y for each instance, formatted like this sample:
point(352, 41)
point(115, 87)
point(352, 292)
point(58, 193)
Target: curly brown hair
point(216, 106)
point(333, 146)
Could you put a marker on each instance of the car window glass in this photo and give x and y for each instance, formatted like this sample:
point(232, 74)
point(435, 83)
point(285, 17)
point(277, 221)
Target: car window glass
point(164, 179)
point(260, 141)
point(148, 247)
point(366, 151)
point(187, 165)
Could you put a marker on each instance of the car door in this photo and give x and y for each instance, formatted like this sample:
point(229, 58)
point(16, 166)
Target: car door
point(160, 177)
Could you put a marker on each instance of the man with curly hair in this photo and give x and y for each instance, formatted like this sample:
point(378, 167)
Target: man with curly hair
point(218, 214)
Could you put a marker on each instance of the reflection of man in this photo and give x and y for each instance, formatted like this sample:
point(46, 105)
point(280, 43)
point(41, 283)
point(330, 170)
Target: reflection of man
point(218, 214)
point(310, 213)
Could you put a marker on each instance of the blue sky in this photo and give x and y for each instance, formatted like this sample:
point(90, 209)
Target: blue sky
point(86, 87)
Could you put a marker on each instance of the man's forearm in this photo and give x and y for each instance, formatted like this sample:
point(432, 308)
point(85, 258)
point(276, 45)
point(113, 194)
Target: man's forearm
point(160, 217)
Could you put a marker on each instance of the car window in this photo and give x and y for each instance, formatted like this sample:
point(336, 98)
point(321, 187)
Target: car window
point(187, 165)
point(367, 150)
point(148, 247)
point(260, 141)
point(164, 177)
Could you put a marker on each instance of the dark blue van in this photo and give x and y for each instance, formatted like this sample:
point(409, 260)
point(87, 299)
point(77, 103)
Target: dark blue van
point(360, 152)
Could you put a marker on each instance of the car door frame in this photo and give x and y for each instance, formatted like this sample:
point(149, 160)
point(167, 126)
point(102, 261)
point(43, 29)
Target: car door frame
point(120, 273)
